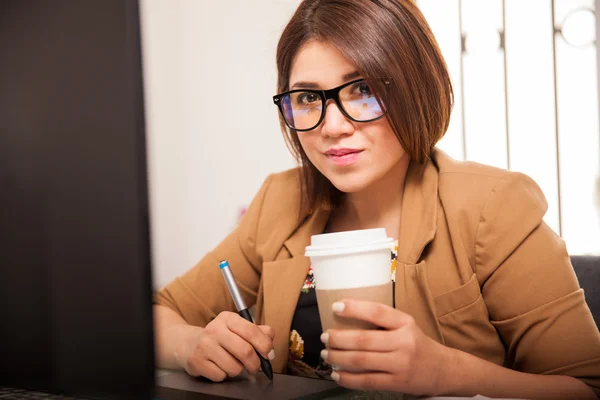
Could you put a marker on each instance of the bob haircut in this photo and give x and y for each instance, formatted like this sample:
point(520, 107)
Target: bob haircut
point(387, 39)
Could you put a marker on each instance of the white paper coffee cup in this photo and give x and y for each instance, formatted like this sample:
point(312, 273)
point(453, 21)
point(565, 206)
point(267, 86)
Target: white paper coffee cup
point(351, 259)
point(351, 264)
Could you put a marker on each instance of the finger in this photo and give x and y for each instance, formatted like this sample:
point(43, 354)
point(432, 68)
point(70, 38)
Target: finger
point(225, 361)
point(375, 313)
point(267, 330)
point(207, 369)
point(251, 334)
point(364, 381)
point(366, 340)
point(360, 360)
point(241, 350)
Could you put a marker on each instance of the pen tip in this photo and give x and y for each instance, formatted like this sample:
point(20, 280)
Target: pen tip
point(267, 369)
point(223, 264)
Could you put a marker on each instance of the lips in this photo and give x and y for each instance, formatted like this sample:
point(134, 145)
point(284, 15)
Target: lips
point(341, 152)
point(343, 157)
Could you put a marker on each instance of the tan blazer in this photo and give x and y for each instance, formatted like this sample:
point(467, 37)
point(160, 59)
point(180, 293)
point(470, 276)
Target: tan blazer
point(477, 268)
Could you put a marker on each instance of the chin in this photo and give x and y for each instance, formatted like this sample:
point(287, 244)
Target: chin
point(349, 184)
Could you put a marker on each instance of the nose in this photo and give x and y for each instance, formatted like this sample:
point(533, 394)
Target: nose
point(335, 122)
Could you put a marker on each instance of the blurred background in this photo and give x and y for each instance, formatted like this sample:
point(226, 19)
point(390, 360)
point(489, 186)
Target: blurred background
point(525, 77)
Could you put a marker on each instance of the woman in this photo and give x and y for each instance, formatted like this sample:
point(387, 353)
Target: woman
point(486, 299)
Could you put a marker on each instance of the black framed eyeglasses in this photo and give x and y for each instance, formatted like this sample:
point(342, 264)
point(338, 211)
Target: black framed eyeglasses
point(304, 109)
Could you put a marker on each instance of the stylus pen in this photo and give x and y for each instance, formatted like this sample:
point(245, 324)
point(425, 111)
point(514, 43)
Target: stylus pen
point(243, 311)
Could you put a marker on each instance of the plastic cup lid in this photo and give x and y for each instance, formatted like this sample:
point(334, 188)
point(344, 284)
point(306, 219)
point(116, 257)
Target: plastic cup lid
point(348, 242)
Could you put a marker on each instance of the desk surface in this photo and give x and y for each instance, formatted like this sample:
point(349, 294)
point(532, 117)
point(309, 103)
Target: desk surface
point(177, 385)
point(258, 386)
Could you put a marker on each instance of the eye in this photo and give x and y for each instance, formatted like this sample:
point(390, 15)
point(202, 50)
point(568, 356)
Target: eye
point(361, 88)
point(307, 98)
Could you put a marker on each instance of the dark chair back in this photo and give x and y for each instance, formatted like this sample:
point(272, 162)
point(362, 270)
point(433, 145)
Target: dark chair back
point(587, 269)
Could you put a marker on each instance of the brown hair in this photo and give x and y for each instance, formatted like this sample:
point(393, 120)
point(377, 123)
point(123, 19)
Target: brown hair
point(382, 38)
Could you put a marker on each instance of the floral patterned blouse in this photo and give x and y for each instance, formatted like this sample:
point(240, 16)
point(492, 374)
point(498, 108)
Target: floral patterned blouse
point(304, 355)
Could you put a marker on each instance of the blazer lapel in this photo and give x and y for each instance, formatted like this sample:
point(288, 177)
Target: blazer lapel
point(282, 283)
point(418, 224)
point(418, 221)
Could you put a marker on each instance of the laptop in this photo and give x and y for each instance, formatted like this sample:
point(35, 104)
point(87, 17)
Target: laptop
point(74, 235)
point(75, 265)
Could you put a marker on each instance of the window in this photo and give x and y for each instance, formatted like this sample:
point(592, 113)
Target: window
point(526, 99)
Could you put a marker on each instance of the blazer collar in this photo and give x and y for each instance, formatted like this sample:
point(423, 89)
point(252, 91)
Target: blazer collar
point(314, 224)
point(418, 221)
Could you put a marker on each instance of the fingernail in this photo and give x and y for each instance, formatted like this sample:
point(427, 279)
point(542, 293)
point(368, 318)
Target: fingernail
point(271, 354)
point(335, 376)
point(325, 337)
point(324, 354)
point(338, 306)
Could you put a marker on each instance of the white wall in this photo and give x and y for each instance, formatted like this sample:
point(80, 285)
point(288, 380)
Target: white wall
point(213, 132)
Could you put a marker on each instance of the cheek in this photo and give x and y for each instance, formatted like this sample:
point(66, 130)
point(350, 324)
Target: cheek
point(391, 146)
point(308, 143)
point(386, 144)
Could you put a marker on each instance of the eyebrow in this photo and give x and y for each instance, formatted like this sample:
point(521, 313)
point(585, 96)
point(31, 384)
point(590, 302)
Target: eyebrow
point(313, 85)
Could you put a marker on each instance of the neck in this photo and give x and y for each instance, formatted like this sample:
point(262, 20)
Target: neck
point(379, 205)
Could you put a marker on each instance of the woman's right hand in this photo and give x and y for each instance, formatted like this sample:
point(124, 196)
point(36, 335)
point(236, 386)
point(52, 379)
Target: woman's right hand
point(224, 347)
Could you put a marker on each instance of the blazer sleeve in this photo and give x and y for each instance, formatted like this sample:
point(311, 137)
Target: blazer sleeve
point(201, 293)
point(530, 288)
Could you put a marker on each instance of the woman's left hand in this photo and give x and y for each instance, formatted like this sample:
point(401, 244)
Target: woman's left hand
point(399, 358)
